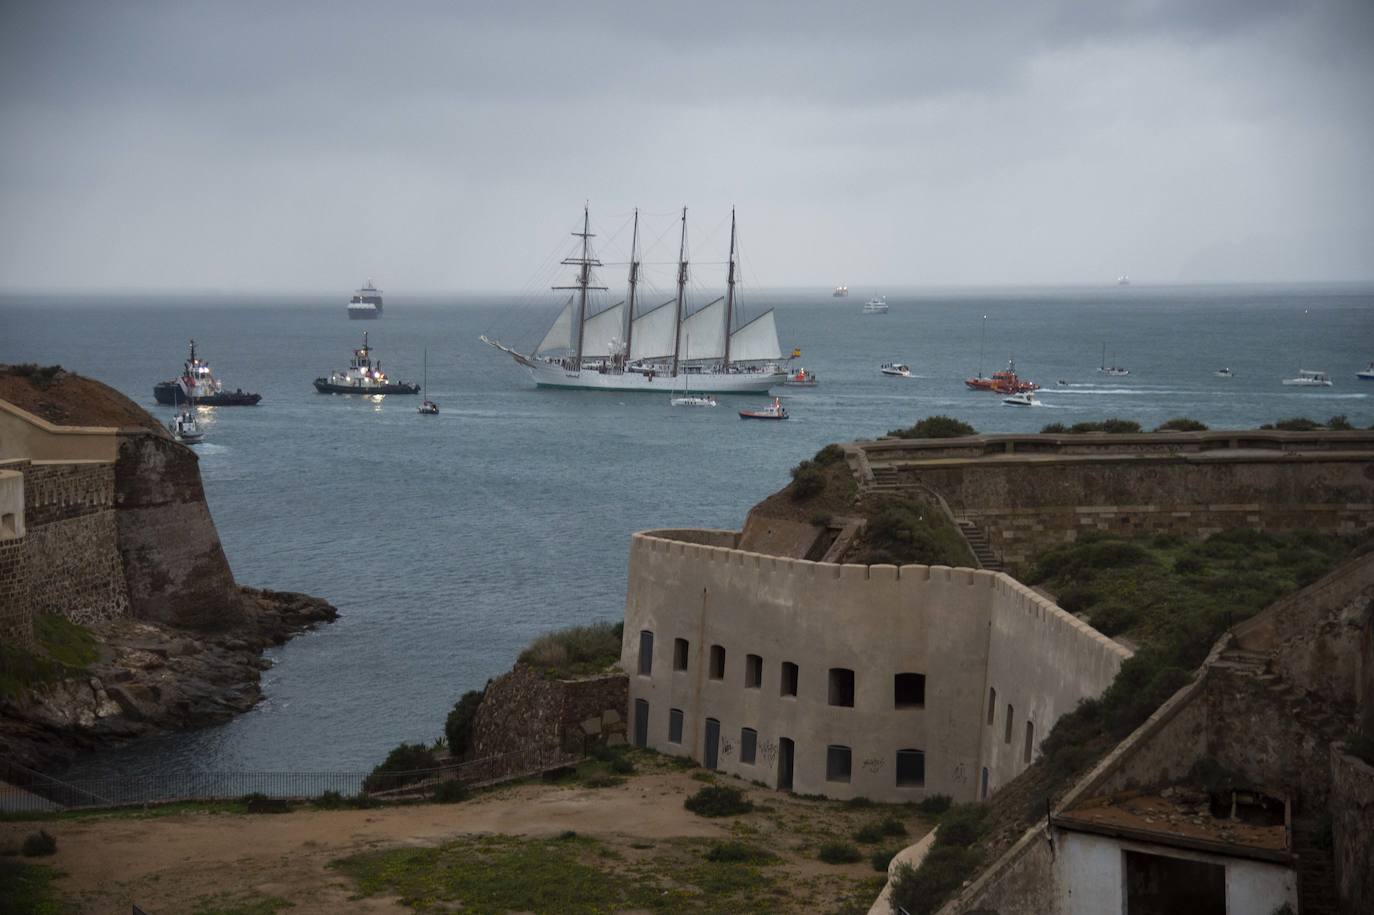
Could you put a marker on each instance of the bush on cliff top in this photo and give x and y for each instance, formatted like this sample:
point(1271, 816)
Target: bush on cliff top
point(61, 649)
point(405, 765)
point(578, 651)
point(910, 531)
point(458, 726)
point(935, 427)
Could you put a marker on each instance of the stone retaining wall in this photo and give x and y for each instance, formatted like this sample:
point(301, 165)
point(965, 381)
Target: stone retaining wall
point(16, 622)
point(1352, 816)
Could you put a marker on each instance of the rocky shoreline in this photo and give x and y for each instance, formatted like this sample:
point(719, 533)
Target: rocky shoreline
point(154, 679)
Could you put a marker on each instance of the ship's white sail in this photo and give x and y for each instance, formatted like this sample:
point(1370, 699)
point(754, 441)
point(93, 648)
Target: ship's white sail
point(602, 329)
point(560, 334)
point(653, 333)
point(756, 341)
point(703, 333)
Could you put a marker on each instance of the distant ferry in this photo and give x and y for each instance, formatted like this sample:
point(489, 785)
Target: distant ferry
point(840, 292)
point(366, 302)
point(1123, 280)
point(876, 306)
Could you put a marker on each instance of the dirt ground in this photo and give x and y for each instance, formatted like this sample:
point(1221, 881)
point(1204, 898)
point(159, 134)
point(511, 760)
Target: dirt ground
point(210, 861)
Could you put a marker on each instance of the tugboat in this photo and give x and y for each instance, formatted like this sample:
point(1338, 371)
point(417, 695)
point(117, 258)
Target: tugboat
point(366, 303)
point(198, 385)
point(362, 377)
point(774, 410)
point(801, 378)
point(1004, 382)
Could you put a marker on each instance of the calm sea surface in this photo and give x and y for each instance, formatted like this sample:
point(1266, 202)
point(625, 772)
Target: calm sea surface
point(449, 542)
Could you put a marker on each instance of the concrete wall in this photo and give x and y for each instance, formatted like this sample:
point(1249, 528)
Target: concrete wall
point(1352, 828)
point(175, 567)
point(1090, 876)
point(25, 436)
point(958, 627)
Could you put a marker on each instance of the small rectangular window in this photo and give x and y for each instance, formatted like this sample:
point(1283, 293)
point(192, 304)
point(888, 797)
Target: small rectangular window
point(1010, 712)
point(1030, 742)
point(911, 768)
point(992, 704)
point(646, 653)
point(842, 687)
point(909, 690)
point(748, 745)
point(985, 783)
point(789, 679)
point(753, 671)
point(717, 662)
point(675, 725)
point(680, 654)
point(837, 764)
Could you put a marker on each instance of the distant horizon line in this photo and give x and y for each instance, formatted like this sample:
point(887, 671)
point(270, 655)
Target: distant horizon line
point(342, 293)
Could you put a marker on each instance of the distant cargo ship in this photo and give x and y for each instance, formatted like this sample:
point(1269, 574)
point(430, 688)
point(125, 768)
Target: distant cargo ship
point(366, 302)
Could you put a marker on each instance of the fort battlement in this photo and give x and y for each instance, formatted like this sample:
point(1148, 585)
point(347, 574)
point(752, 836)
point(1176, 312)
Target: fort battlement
point(889, 682)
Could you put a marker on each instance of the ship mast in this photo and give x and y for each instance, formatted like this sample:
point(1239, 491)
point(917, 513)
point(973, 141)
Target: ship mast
point(585, 263)
point(681, 286)
point(634, 278)
point(730, 289)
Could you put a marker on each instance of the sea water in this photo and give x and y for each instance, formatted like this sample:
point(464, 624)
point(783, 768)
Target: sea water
point(449, 542)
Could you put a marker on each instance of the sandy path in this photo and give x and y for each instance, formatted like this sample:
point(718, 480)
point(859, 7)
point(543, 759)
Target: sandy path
point(171, 864)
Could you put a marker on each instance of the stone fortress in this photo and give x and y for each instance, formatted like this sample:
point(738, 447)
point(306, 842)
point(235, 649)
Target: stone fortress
point(893, 683)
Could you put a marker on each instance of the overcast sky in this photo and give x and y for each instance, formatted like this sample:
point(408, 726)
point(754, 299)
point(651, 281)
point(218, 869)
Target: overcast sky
point(447, 146)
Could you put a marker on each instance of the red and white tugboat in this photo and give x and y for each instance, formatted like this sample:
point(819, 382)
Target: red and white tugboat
point(774, 410)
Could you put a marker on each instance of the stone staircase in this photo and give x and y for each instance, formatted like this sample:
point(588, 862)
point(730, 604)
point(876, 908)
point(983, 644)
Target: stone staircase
point(1316, 865)
point(886, 478)
point(978, 543)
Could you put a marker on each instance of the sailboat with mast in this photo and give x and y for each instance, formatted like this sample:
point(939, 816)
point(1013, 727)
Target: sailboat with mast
point(621, 348)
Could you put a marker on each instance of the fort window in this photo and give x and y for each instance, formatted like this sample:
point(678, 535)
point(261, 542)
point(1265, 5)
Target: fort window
point(985, 783)
point(717, 662)
point(753, 671)
point(909, 690)
point(789, 679)
point(1030, 742)
point(1010, 712)
point(911, 768)
point(7, 525)
point(646, 653)
point(680, 654)
point(748, 745)
point(641, 723)
point(842, 687)
point(675, 725)
point(837, 763)
point(992, 704)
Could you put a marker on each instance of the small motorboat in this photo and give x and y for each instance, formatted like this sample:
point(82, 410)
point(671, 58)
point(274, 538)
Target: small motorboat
point(1366, 374)
point(1224, 373)
point(1307, 378)
point(774, 410)
point(1022, 399)
point(896, 369)
point(1062, 383)
point(185, 429)
point(801, 378)
point(693, 400)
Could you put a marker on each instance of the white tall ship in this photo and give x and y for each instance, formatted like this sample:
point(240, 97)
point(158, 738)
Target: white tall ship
point(625, 348)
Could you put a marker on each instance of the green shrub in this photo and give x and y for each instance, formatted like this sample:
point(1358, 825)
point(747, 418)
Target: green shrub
point(1339, 423)
point(935, 427)
point(40, 376)
point(1114, 617)
point(39, 844)
point(892, 826)
point(935, 804)
point(735, 852)
point(718, 801)
point(1054, 429)
point(858, 803)
point(839, 853)
point(910, 531)
point(329, 800)
point(452, 791)
point(1181, 424)
point(620, 765)
point(1120, 426)
point(962, 825)
point(882, 858)
point(604, 781)
point(576, 651)
point(1188, 565)
point(458, 726)
point(944, 869)
point(830, 454)
point(808, 481)
point(406, 764)
point(1295, 424)
point(869, 834)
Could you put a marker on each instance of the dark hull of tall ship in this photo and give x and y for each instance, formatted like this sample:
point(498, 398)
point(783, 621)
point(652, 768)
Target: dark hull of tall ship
point(324, 387)
point(170, 393)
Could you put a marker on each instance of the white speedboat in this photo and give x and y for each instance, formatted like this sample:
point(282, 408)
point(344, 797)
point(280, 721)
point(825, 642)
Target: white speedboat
point(693, 400)
point(876, 306)
point(1366, 374)
point(1224, 373)
point(1306, 378)
point(898, 369)
point(185, 429)
point(1024, 399)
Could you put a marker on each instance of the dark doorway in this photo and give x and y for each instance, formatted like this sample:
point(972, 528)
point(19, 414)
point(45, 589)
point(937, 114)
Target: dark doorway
point(711, 756)
point(1156, 885)
point(785, 752)
point(641, 723)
